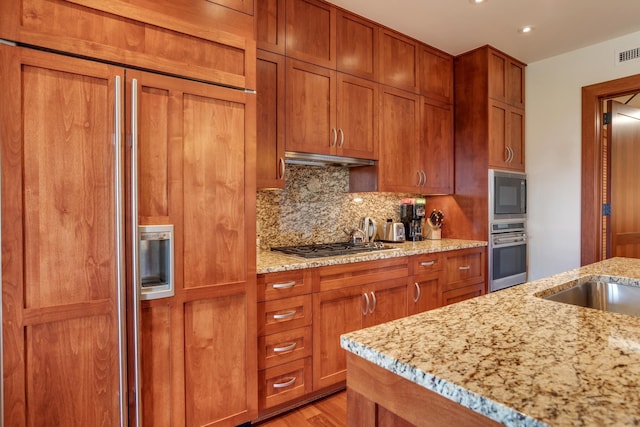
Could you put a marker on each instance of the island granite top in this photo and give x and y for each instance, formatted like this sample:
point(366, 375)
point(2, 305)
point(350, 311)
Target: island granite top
point(272, 262)
point(519, 359)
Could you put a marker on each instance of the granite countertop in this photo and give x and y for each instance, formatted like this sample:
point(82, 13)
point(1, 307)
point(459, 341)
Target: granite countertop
point(519, 359)
point(272, 262)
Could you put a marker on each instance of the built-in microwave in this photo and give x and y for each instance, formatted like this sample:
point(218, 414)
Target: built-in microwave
point(507, 195)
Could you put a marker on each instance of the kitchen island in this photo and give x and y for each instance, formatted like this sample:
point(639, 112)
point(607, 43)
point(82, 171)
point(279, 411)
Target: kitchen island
point(509, 357)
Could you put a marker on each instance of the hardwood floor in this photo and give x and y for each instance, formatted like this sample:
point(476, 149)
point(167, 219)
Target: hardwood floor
point(330, 411)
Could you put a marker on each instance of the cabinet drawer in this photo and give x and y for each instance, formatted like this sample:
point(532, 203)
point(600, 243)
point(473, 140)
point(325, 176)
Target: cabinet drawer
point(463, 293)
point(426, 263)
point(286, 284)
point(284, 383)
point(283, 347)
point(464, 268)
point(284, 314)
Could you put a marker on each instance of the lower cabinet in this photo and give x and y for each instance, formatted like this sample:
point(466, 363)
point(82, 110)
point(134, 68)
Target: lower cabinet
point(299, 353)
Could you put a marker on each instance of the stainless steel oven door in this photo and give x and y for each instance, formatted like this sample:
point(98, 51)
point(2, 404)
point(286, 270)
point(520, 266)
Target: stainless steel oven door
point(507, 260)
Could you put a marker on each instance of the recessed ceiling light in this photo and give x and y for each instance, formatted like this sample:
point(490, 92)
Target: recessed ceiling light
point(526, 29)
point(477, 1)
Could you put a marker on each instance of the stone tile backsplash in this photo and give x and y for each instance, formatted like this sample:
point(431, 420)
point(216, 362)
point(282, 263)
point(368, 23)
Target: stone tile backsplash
point(315, 207)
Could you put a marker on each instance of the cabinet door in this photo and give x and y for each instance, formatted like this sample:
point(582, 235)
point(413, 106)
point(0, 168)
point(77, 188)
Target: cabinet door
point(310, 108)
point(209, 326)
point(196, 38)
point(506, 79)
point(387, 301)
point(311, 32)
point(60, 326)
point(399, 141)
point(357, 46)
point(357, 119)
point(437, 147)
point(499, 153)
point(464, 267)
point(506, 136)
point(436, 74)
point(335, 313)
point(270, 121)
point(270, 25)
point(398, 61)
point(423, 292)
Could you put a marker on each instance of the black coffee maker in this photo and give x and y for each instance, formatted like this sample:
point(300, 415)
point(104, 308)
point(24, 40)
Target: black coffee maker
point(412, 213)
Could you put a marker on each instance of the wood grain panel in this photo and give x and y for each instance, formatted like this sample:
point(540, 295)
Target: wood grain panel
point(398, 61)
point(436, 74)
point(73, 361)
point(156, 364)
point(270, 25)
point(214, 228)
point(357, 120)
point(60, 326)
point(158, 35)
point(310, 32)
point(437, 149)
point(357, 46)
point(270, 347)
point(212, 351)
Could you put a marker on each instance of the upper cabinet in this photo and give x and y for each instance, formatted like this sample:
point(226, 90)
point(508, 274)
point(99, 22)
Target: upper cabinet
point(179, 38)
point(328, 112)
point(436, 74)
point(357, 46)
point(310, 32)
point(506, 79)
point(489, 89)
point(270, 25)
point(398, 61)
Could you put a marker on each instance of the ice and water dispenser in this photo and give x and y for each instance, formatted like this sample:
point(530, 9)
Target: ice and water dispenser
point(156, 261)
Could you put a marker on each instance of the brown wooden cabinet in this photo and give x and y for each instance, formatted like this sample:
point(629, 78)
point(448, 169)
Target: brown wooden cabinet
point(399, 61)
point(489, 113)
point(436, 74)
point(330, 113)
point(436, 147)
point(357, 46)
point(270, 120)
point(270, 27)
point(178, 38)
point(400, 167)
point(424, 282)
point(310, 32)
point(284, 337)
point(465, 275)
point(506, 136)
point(350, 297)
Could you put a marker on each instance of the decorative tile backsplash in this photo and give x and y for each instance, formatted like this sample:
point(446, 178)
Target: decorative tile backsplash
point(316, 207)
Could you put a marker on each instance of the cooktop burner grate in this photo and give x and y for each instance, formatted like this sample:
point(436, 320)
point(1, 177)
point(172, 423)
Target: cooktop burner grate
point(330, 249)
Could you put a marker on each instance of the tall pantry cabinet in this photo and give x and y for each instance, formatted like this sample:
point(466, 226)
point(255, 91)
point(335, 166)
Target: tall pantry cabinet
point(78, 346)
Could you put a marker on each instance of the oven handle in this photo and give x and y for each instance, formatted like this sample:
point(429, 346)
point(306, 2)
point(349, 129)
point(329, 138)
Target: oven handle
point(509, 243)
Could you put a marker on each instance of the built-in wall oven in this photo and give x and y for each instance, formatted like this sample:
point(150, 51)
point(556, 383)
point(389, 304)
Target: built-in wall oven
point(507, 254)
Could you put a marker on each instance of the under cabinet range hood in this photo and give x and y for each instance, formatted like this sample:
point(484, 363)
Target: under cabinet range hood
point(312, 159)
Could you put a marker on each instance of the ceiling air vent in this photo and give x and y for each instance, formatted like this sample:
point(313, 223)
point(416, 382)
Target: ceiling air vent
point(627, 55)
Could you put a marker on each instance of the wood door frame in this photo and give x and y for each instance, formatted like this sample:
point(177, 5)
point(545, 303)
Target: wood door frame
point(591, 197)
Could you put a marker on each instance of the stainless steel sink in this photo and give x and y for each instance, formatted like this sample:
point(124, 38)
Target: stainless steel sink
point(604, 296)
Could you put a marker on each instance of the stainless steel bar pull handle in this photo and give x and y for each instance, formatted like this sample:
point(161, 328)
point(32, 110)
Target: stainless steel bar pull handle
point(335, 137)
point(120, 257)
point(283, 167)
point(418, 292)
point(374, 303)
point(365, 310)
point(427, 263)
point(341, 138)
point(284, 348)
point(135, 262)
point(284, 316)
point(285, 383)
point(464, 267)
point(284, 285)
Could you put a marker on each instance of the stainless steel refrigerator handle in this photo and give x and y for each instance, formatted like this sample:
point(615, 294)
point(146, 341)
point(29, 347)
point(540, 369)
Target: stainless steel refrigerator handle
point(120, 261)
point(135, 264)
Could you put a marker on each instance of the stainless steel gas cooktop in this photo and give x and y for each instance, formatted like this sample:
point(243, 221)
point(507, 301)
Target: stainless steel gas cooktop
point(331, 249)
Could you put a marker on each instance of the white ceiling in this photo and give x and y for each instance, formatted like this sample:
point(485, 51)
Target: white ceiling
point(456, 26)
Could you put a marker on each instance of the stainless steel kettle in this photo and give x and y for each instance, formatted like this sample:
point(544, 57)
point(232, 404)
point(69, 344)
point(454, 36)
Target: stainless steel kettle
point(368, 226)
